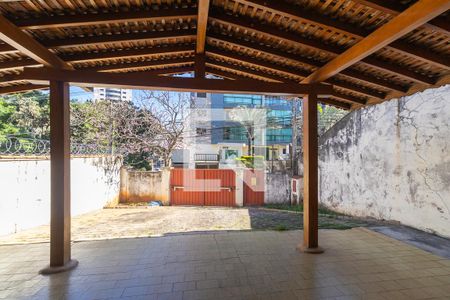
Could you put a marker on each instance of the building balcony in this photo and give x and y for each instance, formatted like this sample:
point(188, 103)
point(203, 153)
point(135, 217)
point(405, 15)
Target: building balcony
point(206, 157)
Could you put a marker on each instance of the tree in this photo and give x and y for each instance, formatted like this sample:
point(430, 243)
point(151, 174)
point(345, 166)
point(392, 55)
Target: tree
point(250, 119)
point(156, 126)
point(26, 114)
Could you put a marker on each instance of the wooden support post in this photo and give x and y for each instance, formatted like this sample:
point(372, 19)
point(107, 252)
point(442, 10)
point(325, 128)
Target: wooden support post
point(60, 256)
point(200, 66)
point(310, 177)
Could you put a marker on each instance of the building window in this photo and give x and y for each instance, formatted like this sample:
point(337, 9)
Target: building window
point(234, 134)
point(236, 100)
point(200, 131)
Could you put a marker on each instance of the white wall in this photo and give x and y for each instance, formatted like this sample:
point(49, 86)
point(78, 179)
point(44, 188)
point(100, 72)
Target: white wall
point(25, 190)
point(392, 161)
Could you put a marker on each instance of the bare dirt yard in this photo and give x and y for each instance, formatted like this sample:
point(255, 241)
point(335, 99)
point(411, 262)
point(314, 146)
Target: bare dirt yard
point(158, 221)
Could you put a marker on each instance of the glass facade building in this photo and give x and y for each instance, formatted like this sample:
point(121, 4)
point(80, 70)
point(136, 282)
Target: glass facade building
point(279, 118)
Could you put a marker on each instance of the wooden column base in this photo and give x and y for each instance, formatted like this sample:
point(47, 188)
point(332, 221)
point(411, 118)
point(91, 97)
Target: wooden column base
point(304, 249)
point(71, 264)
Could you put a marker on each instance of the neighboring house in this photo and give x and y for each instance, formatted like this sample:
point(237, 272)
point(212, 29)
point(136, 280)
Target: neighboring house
point(212, 140)
point(112, 94)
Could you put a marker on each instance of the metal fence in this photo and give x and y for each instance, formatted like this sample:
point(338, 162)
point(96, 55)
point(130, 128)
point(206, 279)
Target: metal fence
point(13, 146)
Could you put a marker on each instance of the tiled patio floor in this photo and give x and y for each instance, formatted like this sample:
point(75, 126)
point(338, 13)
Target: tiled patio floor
point(357, 264)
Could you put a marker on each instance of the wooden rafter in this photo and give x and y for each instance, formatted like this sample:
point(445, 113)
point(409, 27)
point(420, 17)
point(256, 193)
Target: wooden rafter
point(273, 77)
point(70, 20)
point(116, 38)
point(141, 64)
point(392, 7)
point(21, 88)
point(291, 71)
point(144, 81)
point(24, 43)
point(260, 48)
point(416, 15)
point(320, 20)
point(247, 24)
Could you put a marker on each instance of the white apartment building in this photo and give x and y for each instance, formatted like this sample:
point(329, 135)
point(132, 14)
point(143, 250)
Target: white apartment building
point(112, 94)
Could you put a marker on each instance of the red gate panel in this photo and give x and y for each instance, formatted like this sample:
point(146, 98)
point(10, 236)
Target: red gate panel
point(213, 187)
point(254, 183)
point(186, 187)
point(226, 196)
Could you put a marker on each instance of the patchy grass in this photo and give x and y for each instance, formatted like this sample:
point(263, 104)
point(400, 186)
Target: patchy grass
point(299, 208)
point(281, 227)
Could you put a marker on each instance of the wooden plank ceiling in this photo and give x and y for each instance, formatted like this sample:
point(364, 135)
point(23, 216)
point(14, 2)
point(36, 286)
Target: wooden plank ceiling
point(275, 41)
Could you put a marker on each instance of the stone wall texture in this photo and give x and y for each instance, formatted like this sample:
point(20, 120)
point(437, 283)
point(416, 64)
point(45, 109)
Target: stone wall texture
point(277, 189)
point(392, 161)
point(25, 189)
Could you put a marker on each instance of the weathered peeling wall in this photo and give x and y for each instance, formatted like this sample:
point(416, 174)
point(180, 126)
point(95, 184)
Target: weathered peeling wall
point(25, 189)
point(144, 186)
point(277, 189)
point(392, 161)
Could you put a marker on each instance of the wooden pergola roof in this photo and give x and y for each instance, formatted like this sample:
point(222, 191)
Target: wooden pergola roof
point(369, 50)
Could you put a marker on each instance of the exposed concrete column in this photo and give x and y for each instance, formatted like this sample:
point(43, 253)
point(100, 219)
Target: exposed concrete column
point(239, 187)
point(60, 248)
point(310, 177)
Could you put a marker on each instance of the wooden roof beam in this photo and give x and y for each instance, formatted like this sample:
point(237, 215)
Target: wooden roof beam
point(202, 22)
point(12, 35)
point(260, 48)
point(141, 64)
point(441, 23)
point(101, 56)
point(69, 20)
point(291, 71)
point(21, 88)
point(413, 17)
point(118, 38)
point(275, 33)
point(320, 20)
point(261, 75)
point(143, 81)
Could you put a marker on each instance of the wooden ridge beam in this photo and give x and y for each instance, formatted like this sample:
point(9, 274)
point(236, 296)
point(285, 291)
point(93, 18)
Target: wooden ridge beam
point(413, 17)
point(15, 37)
point(246, 23)
point(143, 81)
point(117, 38)
point(277, 78)
point(321, 20)
point(202, 22)
point(291, 71)
point(440, 24)
point(260, 48)
point(86, 19)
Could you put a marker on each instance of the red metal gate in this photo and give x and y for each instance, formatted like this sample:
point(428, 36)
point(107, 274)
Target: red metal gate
point(254, 184)
point(202, 187)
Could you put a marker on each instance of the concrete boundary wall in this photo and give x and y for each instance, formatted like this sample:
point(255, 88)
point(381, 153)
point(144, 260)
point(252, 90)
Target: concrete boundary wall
point(144, 186)
point(392, 161)
point(25, 189)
